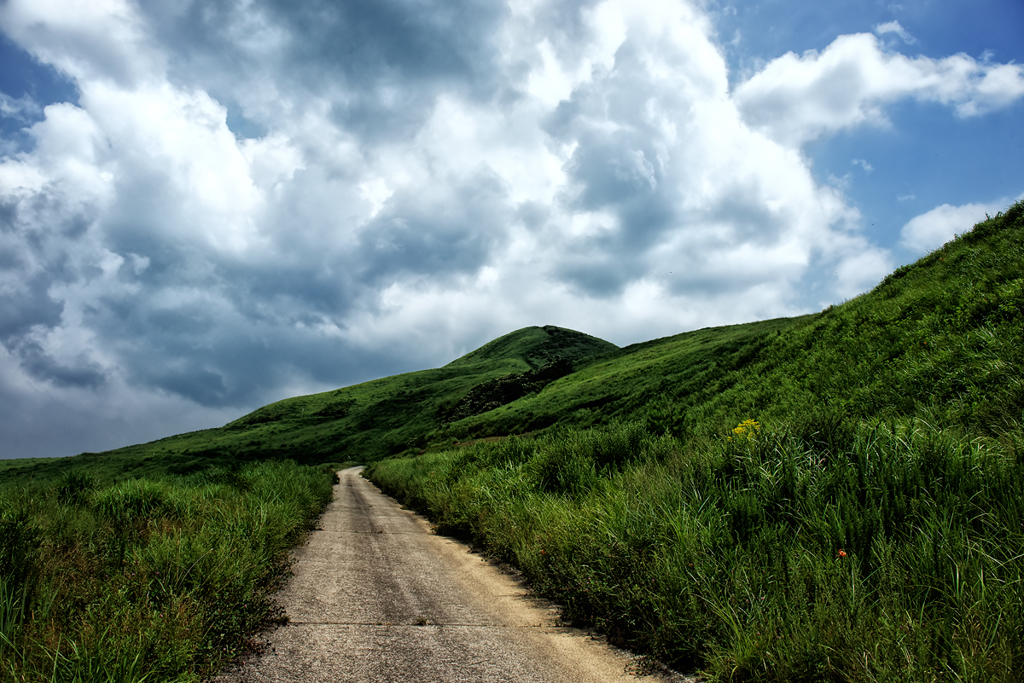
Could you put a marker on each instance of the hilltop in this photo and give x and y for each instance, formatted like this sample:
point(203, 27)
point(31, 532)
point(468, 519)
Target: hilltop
point(361, 423)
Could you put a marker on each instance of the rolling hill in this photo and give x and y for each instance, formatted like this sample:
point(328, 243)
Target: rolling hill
point(937, 337)
point(361, 423)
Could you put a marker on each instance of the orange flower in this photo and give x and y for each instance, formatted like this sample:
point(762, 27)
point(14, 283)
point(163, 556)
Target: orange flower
point(842, 553)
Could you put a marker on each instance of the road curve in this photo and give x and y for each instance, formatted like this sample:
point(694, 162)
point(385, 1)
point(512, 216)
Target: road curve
point(377, 597)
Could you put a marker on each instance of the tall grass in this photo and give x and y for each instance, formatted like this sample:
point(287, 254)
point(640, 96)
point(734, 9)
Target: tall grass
point(812, 552)
point(150, 579)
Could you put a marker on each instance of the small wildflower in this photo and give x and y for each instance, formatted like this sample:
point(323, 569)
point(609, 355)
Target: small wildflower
point(748, 429)
point(842, 553)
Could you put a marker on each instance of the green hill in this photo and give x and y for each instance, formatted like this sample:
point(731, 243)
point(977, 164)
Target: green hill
point(936, 337)
point(532, 348)
point(359, 423)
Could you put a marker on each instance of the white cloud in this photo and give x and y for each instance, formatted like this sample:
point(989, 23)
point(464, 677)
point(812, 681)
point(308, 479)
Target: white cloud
point(96, 40)
point(894, 27)
point(796, 99)
point(864, 266)
point(399, 189)
point(23, 108)
point(934, 228)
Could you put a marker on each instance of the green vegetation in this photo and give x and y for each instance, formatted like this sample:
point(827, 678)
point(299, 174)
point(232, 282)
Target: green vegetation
point(832, 498)
point(892, 555)
point(649, 381)
point(158, 579)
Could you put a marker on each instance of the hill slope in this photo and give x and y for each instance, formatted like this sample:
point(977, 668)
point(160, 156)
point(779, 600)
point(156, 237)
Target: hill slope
point(837, 500)
point(937, 337)
point(363, 422)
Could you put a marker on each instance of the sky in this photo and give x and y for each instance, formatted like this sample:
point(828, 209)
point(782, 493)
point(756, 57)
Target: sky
point(210, 205)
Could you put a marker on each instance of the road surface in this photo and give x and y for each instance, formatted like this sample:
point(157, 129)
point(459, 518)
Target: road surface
point(376, 597)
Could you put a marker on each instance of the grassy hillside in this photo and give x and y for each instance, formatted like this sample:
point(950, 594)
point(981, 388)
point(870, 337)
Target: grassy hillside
point(935, 337)
point(522, 382)
point(832, 498)
point(631, 383)
point(359, 423)
point(939, 338)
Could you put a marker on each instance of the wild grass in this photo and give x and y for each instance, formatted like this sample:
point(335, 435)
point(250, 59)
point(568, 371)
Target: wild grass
point(887, 552)
point(147, 579)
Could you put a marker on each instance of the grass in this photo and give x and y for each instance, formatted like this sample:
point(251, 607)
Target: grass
point(153, 579)
point(830, 498)
point(635, 382)
point(894, 555)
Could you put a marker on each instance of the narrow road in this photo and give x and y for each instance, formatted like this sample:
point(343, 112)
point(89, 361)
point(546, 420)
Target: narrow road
point(377, 597)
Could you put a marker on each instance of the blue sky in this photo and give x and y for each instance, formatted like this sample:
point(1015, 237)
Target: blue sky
point(208, 206)
point(975, 158)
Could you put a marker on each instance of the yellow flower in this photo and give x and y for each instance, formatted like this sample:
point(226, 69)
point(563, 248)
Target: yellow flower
point(747, 429)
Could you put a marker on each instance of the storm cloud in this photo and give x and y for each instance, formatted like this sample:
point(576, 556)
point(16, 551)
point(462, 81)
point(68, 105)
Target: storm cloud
point(250, 199)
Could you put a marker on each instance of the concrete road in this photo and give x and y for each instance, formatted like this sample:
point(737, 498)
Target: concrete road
point(377, 597)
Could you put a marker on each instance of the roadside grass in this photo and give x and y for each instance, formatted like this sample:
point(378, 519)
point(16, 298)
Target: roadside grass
point(758, 555)
point(158, 579)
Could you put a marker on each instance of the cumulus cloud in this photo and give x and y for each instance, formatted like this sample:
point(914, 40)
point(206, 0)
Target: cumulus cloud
point(101, 40)
point(934, 228)
point(796, 99)
point(254, 199)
